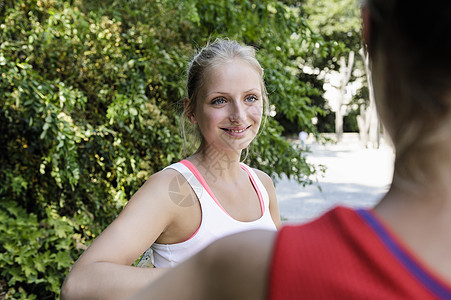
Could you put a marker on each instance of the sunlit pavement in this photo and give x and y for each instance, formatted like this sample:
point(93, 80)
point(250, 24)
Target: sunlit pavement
point(355, 177)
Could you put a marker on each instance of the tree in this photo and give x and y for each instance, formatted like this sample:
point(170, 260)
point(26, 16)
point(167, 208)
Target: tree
point(368, 119)
point(344, 75)
point(339, 20)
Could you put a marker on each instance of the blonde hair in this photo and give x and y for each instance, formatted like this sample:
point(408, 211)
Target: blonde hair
point(213, 54)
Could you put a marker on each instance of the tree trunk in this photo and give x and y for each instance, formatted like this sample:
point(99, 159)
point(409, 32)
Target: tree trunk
point(369, 124)
point(345, 75)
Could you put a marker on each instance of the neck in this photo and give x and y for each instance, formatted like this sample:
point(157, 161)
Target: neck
point(422, 174)
point(216, 163)
point(427, 201)
point(421, 218)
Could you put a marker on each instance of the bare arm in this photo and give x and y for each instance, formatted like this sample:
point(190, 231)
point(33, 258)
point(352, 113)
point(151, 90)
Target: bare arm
point(107, 280)
point(235, 267)
point(273, 205)
point(104, 270)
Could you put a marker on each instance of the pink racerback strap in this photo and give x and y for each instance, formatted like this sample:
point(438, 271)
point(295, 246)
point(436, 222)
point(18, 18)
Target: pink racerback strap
point(202, 181)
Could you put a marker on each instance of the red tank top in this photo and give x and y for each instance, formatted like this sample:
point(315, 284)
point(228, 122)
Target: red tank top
point(348, 254)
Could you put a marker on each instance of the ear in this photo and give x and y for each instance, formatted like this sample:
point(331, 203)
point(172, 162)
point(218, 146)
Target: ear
point(188, 111)
point(366, 22)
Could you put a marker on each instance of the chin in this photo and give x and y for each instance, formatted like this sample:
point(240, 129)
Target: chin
point(237, 145)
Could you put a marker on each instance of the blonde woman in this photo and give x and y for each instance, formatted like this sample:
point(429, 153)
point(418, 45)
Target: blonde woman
point(188, 205)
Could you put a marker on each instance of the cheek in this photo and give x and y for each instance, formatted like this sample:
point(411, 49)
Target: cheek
point(209, 119)
point(256, 112)
point(214, 116)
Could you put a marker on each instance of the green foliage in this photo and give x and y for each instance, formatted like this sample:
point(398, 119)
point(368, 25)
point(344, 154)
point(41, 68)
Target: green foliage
point(35, 254)
point(334, 17)
point(338, 22)
point(90, 94)
point(271, 148)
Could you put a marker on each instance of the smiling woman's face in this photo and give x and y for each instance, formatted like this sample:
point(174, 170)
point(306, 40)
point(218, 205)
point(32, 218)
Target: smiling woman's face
point(230, 106)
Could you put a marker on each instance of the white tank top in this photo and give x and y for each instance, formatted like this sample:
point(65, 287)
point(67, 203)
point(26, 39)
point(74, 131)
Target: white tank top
point(216, 222)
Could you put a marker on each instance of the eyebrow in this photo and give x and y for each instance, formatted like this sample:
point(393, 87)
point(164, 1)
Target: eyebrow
point(253, 89)
point(245, 92)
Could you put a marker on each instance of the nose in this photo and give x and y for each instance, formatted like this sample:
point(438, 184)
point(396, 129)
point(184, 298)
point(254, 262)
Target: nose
point(238, 112)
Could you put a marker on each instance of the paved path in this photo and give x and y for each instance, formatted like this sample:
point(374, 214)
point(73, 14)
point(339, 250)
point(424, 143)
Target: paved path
point(355, 177)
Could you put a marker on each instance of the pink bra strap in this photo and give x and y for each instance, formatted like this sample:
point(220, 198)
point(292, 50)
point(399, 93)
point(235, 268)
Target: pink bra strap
point(202, 181)
point(260, 198)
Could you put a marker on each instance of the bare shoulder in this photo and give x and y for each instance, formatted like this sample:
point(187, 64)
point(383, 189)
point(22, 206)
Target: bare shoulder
point(271, 190)
point(265, 178)
point(162, 185)
point(156, 205)
point(242, 263)
point(241, 246)
point(164, 176)
point(146, 216)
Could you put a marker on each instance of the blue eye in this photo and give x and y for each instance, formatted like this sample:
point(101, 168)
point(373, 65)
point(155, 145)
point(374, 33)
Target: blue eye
point(251, 98)
point(218, 101)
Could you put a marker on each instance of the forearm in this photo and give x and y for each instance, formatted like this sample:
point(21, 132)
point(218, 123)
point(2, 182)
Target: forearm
point(187, 281)
point(103, 280)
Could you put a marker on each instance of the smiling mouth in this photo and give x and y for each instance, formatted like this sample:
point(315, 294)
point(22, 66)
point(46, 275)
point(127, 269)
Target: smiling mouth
point(236, 130)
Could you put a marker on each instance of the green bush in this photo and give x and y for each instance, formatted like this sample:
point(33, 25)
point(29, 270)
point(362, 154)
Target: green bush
point(90, 96)
point(36, 252)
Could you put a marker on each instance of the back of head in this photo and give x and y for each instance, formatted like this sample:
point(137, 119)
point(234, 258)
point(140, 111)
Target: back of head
point(410, 44)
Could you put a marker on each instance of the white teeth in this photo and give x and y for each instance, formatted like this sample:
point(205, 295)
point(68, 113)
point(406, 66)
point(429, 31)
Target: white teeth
point(237, 130)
